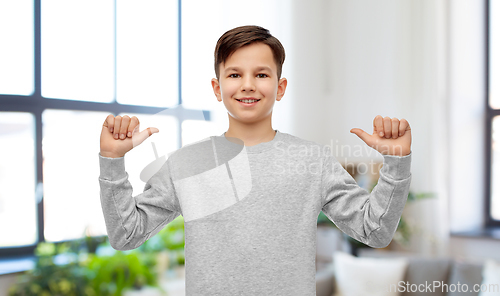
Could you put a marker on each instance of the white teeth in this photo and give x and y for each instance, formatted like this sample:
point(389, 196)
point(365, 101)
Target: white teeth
point(248, 101)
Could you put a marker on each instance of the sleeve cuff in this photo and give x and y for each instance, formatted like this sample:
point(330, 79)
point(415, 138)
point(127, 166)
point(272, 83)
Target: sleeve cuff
point(397, 167)
point(111, 169)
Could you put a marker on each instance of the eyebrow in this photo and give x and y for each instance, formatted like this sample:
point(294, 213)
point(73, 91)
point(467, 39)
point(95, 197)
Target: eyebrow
point(258, 69)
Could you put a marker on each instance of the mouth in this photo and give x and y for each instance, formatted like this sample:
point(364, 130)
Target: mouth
point(248, 102)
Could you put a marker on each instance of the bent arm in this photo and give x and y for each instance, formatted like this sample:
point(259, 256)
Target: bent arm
point(371, 218)
point(130, 221)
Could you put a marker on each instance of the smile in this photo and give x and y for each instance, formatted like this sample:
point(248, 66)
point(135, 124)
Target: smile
point(248, 103)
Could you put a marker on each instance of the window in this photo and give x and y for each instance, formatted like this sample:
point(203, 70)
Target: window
point(66, 65)
point(493, 116)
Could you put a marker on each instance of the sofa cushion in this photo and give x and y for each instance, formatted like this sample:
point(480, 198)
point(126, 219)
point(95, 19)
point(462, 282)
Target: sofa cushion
point(425, 274)
point(356, 276)
point(465, 272)
point(491, 278)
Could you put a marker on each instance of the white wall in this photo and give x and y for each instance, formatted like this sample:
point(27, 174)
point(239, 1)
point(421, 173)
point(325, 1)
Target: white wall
point(467, 82)
point(357, 59)
point(308, 80)
point(419, 60)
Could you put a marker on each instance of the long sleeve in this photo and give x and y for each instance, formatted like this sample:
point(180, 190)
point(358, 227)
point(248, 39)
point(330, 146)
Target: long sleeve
point(130, 221)
point(371, 218)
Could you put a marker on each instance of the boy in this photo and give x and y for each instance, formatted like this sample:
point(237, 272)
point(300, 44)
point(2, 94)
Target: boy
point(260, 241)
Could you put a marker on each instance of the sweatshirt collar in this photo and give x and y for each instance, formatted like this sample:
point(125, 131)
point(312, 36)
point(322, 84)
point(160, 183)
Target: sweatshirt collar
point(261, 147)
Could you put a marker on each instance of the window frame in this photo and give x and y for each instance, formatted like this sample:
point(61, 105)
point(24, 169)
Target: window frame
point(36, 105)
point(489, 222)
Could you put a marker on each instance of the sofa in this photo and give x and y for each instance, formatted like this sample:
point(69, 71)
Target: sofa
point(419, 272)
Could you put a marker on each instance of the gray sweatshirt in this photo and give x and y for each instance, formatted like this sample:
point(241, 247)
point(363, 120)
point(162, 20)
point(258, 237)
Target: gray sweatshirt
point(250, 212)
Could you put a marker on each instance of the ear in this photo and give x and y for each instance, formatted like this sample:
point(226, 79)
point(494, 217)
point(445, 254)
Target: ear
point(216, 88)
point(281, 88)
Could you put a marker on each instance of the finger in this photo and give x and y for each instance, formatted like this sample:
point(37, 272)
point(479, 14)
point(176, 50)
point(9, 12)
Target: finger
point(403, 126)
point(395, 128)
point(138, 138)
point(118, 120)
point(387, 127)
point(110, 122)
point(378, 125)
point(134, 122)
point(124, 126)
point(366, 137)
point(153, 130)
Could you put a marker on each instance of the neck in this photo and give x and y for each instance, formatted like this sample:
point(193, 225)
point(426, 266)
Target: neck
point(251, 134)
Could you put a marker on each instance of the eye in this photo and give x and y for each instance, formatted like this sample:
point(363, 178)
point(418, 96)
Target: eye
point(232, 75)
point(263, 74)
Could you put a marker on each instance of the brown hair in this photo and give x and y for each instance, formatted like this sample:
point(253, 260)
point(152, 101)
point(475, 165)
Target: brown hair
point(238, 37)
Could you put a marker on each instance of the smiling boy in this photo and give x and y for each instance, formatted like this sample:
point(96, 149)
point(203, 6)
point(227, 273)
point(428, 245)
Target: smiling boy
point(250, 226)
point(249, 73)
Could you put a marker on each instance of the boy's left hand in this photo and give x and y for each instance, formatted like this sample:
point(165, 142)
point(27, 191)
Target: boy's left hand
point(390, 136)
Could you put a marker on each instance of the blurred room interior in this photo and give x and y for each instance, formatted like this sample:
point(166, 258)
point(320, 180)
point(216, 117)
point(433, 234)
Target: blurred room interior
point(64, 66)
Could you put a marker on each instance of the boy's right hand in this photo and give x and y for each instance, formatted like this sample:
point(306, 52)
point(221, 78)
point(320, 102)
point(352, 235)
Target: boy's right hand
point(120, 134)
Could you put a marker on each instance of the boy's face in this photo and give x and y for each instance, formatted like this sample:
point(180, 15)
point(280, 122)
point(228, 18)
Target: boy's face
point(250, 72)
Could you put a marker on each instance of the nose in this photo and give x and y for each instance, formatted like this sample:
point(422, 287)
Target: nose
point(248, 84)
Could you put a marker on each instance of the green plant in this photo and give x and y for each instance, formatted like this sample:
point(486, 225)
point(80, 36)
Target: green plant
point(324, 220)
point(84, 272)
point(171, 238)
point(49, 278)
point(111, 275)
point(404, 231)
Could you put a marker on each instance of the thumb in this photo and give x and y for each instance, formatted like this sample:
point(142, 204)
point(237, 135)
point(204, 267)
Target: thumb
point(362, 135)
point(138, 138)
